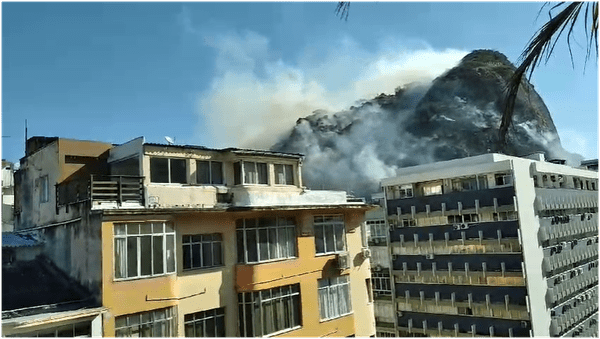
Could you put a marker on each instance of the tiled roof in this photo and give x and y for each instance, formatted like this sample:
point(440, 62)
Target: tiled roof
point(10, 239)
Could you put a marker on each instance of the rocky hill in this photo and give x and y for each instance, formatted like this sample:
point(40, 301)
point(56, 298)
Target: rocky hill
point(456, 115)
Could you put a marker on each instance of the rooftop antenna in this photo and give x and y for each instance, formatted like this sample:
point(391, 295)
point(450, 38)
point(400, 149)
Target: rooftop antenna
point(170, 140)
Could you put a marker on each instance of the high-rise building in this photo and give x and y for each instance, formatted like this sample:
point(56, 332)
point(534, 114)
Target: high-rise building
point(181, 240)
point(491, 245)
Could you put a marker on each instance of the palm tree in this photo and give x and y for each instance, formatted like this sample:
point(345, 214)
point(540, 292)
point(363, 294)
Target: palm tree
point(540, 47)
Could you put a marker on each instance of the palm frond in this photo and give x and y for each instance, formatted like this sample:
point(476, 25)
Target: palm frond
point(343, 9)
point(541, 47)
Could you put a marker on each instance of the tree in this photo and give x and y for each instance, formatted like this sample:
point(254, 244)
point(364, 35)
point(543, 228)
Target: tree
point(540, 47)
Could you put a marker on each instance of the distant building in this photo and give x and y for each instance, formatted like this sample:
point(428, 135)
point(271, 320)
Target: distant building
point(177, 240)
point(490, 245)
point(8, 196)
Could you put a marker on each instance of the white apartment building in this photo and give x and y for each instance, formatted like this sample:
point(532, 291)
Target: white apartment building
point(490, 245)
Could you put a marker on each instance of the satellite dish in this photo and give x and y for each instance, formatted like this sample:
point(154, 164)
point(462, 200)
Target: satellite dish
point(170, 140)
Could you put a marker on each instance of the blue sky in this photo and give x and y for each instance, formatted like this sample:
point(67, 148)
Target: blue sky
point(240, 74)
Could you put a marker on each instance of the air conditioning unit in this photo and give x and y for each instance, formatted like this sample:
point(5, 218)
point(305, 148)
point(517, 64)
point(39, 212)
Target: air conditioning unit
point(366, 253)
point(342, 261)
point(461, 226)
point(429, 256)
point(398, 314)
point(377, 268)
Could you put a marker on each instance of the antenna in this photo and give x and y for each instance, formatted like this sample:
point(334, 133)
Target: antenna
point(170, 140)
point(25, 136)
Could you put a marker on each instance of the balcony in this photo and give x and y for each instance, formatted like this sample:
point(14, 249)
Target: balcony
point(102, 190)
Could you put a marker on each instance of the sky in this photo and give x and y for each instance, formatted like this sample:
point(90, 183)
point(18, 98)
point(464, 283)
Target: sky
point(241, 74)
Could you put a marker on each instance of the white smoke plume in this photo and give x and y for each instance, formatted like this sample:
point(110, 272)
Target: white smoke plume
point(255, 98)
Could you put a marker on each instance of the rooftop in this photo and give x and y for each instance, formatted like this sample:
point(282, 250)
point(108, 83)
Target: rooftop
point(12, 240)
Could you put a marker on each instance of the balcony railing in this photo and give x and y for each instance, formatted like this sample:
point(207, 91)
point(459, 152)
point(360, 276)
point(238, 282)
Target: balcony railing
point(101, 188)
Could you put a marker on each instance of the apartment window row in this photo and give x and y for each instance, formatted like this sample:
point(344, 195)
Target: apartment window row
point(334, 297)
point(174, 170)
point(144, 249)
point(575, 213)
point(80, 329)
point(157, 323)
point(264, 239)
point(400, 192)
point(558, 180)
point(330, 234)
point(454, 219)
point(269, 311)
point(209, 323)
point(202, 250)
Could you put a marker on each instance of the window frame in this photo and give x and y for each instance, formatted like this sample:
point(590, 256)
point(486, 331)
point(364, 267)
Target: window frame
point(211, 179)
point(288, 178)
point(335, 221)
point(170, 318)
point(253, 305)
point(245, 227)
point(168, 230)
point(240, 169)
point(169, 172)
point(44, 189)
point(201, 244)
point(332, 286)
point(381, 280)
point(202, 317)
point(377, 229)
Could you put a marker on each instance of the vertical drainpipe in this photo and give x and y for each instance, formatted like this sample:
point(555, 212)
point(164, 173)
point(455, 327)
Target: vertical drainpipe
point(390, 262)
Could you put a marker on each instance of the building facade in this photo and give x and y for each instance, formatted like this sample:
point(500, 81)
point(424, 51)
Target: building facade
point(490, 245)
point(190, 241)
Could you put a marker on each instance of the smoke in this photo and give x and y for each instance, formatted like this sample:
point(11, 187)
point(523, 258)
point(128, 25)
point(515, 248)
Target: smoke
point(255, 97)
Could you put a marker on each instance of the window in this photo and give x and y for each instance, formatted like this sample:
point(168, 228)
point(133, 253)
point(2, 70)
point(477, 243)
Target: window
point(400, 192)
point(254, 172)
point(144, 249)
point(458, 219)
point(377, 230)
point(158, 323)
point(379, 334)
point(202, 250)
point(209, 172)
point(464, 184)
point(44, 189)
point(407, 222)
point(503, 179)
point(209, 323)
point(284, 174)
point(432, 189)
point(381, 283)
point(80, 329)
point(509, 215)
point(269, 311)
point(369, 290)
point(329, 234)
point(334, 297)
point(166, 170)
point(265, 239)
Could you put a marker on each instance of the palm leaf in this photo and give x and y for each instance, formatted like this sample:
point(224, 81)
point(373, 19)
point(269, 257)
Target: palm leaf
point(541, 47)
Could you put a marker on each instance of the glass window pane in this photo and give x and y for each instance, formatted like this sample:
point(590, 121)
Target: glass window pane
point(273, 243)
point(202, 172)
point(145, 228)
point(289, 175)
point(339, 237)
point(250, 175)
point(178, 171)
point(170, 254)
point(132, 257)
point(319, 240)
point(120, 229)
point(187, 256)
point(169, 227)
point(146, 330)
point(83, 329)
point(159, 170)
point(120, 258)
point(200, 328)
point(207, 254)
point(157, 254)
point(263, 174)
point(329, 240)
point(133, 229)
point(146, 254)
point(210, 327)
point(216, 172)
point(217, 254)
point(252, 244)
point(189, 330)
point(157, 227)
point(291, 241)
point(196, 255)
point(263, 244)
point(279, 174)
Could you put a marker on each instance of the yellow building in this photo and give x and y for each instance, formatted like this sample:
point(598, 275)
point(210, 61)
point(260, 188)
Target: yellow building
point(190, 241)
